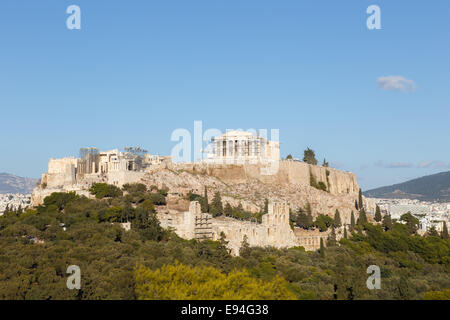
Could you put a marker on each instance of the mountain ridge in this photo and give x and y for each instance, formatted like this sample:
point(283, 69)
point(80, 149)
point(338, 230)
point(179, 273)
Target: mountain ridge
point(435, 187)
point(10, 183)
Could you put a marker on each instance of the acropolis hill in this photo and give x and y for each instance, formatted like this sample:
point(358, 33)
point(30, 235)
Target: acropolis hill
point(239, 182)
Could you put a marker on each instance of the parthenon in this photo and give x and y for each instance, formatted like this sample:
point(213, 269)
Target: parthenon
point(238, 147)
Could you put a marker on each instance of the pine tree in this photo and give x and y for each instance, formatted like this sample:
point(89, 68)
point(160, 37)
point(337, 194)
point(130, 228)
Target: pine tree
point(377, 214)
point(444, 233)
point(228, 210)
point(337, 219)
point(322, 248)
point(387, 222)
point(309, 156)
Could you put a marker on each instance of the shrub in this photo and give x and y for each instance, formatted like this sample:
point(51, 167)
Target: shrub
point(103, 190)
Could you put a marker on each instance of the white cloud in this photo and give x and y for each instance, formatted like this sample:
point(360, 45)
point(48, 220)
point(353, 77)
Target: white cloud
point(435, 164)
point(396, 83)
point(394, 165)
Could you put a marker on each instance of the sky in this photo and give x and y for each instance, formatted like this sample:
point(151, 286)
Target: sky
point(373, 102)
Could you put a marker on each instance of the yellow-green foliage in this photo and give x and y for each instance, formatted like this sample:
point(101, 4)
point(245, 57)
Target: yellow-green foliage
point(180, 282)
point(437, 295)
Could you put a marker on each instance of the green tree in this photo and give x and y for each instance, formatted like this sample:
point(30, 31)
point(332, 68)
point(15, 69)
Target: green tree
point(362, 220)
point(345, 232)
point(411, 222)
point(309, 156)
point(322, 249)
point(134, 187)
point(437, 295)
point(103, 190)
point(60, 199)
point(289, 157)
point(387, 222)
point(303, 220)
point(360, 200)
point(323, 222)
point(205, 203)
point(352, 222)
point(216, 208)
point(180, 282)
point(377, 214)
point(325, 163)
point(444, 233)
point(331, 241)
point(148, 225)
point(266, 205)
point(228, 210)
point(433, 232)
point(244, 250)
point(157, 199)
point(337, 219)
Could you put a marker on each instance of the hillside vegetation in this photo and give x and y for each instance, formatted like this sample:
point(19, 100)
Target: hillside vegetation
point(37, 246)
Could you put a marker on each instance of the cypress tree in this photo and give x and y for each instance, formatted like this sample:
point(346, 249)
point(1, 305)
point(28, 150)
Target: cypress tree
point(377, 214)
point(244, 250)
point(322, 248)
point(352, 222)
point(360, 200)
point(345, 232)
point(266, 205)
point(444, 233)
point(216, 208)
point(331, 241)
point(204, 202)
point(337, 219)
point(362, 217)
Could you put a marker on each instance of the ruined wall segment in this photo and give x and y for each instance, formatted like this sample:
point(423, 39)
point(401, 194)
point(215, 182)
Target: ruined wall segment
point(274, 231)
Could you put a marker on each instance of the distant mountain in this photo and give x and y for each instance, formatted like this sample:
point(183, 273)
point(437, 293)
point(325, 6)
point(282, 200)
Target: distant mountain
point(435, 187)
point(10, 183)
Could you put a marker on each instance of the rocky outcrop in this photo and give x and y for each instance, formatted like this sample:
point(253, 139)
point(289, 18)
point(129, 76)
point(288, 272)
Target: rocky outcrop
point(246, 185)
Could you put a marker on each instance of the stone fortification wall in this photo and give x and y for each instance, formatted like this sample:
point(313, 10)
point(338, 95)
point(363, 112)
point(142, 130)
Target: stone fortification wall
point(274, 231)
point(289, 172)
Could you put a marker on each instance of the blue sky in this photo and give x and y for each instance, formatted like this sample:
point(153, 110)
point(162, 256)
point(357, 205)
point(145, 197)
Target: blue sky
point(137, 70)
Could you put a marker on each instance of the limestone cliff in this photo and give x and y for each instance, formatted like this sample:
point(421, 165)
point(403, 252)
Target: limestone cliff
point(245, 184)
point(248, 184)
